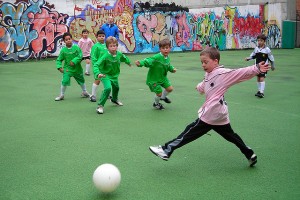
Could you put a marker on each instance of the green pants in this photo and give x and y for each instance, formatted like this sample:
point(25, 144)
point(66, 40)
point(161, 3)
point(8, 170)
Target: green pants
point(109, 84)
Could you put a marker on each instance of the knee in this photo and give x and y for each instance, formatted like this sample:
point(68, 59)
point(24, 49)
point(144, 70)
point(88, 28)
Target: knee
point(169, 89)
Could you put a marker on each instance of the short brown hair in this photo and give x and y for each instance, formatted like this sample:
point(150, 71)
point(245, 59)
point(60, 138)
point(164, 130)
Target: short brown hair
point(164, 42)
point(85, 31)
point(110, 40)
point(212, 52)
point(262, 36)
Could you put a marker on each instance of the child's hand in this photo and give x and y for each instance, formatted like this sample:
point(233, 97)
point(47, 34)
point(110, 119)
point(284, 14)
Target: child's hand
point(61, 70)
point(174, 70)
point(101, 75)
point(263, 67)
point(71, 63)
point(272, 68)
point(246, 59)
point(137, 63)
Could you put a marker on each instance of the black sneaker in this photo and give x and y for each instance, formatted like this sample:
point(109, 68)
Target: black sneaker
point(166, 99)
point(93, 98)
point(158, 106)
point(252, 160)
point(257, 94)
point(261, 95)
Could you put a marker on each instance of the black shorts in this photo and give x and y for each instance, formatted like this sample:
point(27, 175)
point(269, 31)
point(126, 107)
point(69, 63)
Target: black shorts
point(262, 75)
point(87, 57)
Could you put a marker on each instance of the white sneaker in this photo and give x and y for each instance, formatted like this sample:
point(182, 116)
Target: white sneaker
point(119, 103)
point(158, 151)
point(252, 160)
point(100, 110)
point(85, 94)
point(59, 98)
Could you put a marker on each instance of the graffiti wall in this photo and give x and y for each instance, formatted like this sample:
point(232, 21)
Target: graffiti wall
point(34, 28)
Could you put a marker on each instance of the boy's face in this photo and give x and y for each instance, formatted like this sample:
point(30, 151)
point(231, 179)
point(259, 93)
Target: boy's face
point(208, 64)
point(165, 50)
point(101, 38)
point(68, 40)
point(112, 48)
point(85, 35)
point(260, 43)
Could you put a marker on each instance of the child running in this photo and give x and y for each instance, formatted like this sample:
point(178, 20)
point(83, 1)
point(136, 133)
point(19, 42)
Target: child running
point(107, 68)
point(71, 54)
point(261, 53)
point(97, 51)
point(85, 43)
point(213, 114)
point(159, 65)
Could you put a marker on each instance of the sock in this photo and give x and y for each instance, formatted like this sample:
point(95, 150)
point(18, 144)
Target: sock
point(262, 87)
point(164, 94)
point(94, 89)
point(258, 86)
point(156, 99)
point(87, 68)
point(83, 87)
point(62, 90)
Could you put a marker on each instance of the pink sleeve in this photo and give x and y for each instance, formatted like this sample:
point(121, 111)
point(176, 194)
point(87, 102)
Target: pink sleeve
point(235, 76)
point(200, 87)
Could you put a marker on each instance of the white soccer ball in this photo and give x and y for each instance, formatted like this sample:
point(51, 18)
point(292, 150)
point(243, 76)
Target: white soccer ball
point(107, 178)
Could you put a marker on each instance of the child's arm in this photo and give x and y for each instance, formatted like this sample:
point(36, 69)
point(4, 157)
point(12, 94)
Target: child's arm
point(96, 66)
point(200, 87)
point(125, 59)
point(59, 61)
point(78, 58)
point(172, 69)
point(147, 62)
point(271, 59)
point(252, 56)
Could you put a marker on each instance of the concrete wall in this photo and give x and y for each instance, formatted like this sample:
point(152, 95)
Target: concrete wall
point(34, 29)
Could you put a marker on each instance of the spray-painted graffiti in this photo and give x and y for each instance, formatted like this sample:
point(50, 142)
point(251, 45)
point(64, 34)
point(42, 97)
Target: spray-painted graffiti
point(34, 28)
point(29, 30)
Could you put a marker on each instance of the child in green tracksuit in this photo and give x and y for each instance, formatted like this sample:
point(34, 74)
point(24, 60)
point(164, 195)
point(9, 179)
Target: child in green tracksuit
point(159, 65)
point(98, 50)
point(107, 68)
point(72, 56)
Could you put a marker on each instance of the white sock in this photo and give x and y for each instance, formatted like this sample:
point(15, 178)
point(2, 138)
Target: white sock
point(262, 87)
point(83, 87)
point(87, 68)
point(164, 94)
point(156, 99)
point(62, 90)
point(94, 89)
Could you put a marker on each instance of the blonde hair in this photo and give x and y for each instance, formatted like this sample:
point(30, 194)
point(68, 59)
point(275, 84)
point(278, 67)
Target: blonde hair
point(111, 40)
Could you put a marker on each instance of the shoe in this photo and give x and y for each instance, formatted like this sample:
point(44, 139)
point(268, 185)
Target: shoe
point(87, 74)
point(261, 95)
point(257, 94)
point(117, 102)
point(85, 94)
point(158, 106)
point(253, 160)
point(166, 99)
point(93, 98)
point(59, 98)
point(100, 110)
point(109, 97)
point(158, 151)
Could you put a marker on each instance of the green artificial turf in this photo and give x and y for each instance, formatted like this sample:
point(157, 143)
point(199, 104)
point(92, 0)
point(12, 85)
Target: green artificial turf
point(49, 150)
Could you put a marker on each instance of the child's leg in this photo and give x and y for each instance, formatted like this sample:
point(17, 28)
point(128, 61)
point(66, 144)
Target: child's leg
point(66, 80)
point(115, 89)
point(165, 93)
point(227, 133)
point(106, 91)
point(192, 132)
point(87, 66)
point(94, 87)
point(80, 80)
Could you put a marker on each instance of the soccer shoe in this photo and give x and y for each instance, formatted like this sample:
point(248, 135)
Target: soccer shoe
point(100, 110)
point(158, 106)
point(117, 102)
point(257, 94)
point(87, 74)
point(252, 160)
point(59, 98)
point(261, 95)
point(166, 99)
point(93, 98)
point(158, 151)
point(85, 94)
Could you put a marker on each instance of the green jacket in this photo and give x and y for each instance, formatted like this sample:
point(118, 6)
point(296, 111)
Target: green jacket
point(67, 55)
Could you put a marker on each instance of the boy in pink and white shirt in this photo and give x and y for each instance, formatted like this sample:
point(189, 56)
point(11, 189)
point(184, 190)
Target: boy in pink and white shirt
point(85, 43)
point(213, 114)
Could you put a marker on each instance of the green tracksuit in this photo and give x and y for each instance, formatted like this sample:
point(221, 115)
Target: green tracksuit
point(157, 75)
point(67, 55)
point(109, 65)
point(97, 51)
